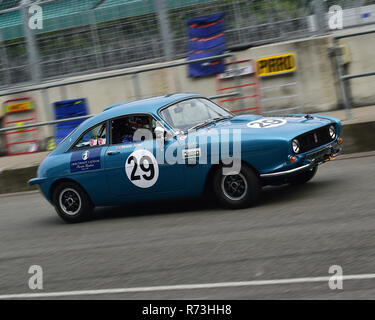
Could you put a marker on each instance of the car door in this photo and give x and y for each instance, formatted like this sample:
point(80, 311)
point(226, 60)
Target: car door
point(87, 158)
point(133, 168)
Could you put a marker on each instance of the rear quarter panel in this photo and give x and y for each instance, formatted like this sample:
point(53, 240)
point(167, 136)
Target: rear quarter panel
point(57, 168)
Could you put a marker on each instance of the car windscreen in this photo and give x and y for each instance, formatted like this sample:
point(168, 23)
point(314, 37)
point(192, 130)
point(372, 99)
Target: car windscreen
point(189, 113)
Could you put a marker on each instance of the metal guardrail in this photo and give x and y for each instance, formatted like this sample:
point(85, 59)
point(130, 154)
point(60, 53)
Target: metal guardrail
point(133, 72)
point(121, 33)
point(47, 123)
point(343, 78)
point(113, 75)
point(353, 34)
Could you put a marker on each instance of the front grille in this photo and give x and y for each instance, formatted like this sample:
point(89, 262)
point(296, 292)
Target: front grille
point(314, 138)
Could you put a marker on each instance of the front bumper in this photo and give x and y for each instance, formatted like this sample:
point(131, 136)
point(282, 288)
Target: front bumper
point(314, 159)
point(35, 181)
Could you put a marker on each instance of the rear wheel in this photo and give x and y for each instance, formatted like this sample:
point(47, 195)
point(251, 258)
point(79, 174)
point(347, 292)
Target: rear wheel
point(304, 177)
point(71, 202)
point(238, 190)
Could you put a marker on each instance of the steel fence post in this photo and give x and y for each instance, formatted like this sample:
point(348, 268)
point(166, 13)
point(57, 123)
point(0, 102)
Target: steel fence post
point(342, 82)
point(319, 16)
point(31, 43)
point(162, 13)
point(238, 20)
point(4, 61)
point(95, 37)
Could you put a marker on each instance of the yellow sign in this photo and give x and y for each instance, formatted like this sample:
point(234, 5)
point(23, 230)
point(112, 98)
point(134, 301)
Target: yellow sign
point(51, 144)
point(276, 65)
point(18, 107)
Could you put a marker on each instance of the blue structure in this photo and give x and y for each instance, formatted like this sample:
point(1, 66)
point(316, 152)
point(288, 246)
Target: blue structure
point(65, 110)
point(206, 39)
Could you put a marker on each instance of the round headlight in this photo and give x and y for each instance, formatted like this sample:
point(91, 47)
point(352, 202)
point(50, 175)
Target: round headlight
point(332, 132)
point(295, 146)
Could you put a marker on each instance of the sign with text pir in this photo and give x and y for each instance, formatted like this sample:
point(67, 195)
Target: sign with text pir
point(275, 65)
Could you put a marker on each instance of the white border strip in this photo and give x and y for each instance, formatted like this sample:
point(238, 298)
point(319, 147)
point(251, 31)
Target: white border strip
point(186, 287)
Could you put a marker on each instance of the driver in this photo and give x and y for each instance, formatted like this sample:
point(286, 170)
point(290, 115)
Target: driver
point(143, 122)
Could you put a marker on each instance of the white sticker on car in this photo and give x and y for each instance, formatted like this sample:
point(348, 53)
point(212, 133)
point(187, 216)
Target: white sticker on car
point(266, 123)
point(142, 168)
point(191, 153)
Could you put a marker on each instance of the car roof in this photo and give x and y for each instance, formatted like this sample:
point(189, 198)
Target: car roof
point(150, 105)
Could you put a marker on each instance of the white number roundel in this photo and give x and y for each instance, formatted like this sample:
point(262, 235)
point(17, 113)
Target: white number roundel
point(266, 123)
point(142, 168)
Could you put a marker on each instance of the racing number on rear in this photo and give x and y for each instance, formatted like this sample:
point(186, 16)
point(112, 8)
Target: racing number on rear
point(142, 168)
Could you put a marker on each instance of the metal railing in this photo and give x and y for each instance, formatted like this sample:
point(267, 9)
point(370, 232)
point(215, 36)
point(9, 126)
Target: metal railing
point(43, 87)
point(344, 78)
point(99, 36)
point(48, 123)
point(105, 37)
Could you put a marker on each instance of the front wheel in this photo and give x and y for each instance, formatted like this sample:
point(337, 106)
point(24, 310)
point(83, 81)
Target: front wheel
point(238, 190)
point(304, 177)
point(71, 202)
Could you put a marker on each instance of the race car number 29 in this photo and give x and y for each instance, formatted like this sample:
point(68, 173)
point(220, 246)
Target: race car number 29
point(266, 123)
point(142, 168)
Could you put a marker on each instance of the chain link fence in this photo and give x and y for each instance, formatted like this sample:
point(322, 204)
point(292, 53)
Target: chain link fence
point(95, 35)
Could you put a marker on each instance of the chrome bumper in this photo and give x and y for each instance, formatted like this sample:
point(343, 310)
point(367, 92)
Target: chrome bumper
point(330, 152)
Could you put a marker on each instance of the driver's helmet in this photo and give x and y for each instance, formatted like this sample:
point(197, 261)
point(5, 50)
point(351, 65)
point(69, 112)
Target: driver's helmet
point(143, 122)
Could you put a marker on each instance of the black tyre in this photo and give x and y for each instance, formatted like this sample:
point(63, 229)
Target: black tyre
point(304, 177)
point(237, 191)
point(72, 203)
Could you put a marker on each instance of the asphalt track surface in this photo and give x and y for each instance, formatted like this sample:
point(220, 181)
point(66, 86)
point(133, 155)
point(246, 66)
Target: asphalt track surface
point(294, 232)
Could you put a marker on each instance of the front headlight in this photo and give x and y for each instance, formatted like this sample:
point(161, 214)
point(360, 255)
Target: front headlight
point(332, 132)
point(295, 146)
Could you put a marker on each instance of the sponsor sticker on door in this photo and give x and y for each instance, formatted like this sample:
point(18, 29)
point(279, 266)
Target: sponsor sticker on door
point(85, 160)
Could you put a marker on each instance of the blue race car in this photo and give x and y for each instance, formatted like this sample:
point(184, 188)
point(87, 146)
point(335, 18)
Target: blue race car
point(181, 145)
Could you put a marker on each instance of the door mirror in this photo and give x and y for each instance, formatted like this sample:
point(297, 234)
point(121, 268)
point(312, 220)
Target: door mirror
point(159, 133)
point(162, 134)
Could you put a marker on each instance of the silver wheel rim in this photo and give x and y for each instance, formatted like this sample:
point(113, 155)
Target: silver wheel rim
point(70, 201)
point(234, 187)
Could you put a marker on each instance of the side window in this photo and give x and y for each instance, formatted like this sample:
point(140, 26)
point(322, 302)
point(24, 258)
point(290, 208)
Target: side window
point(124, 129)
point(97, 136)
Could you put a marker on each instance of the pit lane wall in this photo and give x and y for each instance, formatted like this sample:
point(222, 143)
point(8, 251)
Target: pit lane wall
point(316, 75)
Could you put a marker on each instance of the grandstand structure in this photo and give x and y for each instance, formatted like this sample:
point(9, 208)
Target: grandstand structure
point(84, 36)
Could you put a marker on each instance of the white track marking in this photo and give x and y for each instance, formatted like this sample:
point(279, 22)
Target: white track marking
point(186, 287)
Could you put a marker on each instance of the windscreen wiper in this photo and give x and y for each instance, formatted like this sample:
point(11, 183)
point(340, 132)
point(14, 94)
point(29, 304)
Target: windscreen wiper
point(204, 123)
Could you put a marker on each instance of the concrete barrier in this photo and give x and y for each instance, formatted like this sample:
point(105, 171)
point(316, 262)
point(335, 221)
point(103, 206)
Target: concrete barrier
point(358, 137)
point(15, 180)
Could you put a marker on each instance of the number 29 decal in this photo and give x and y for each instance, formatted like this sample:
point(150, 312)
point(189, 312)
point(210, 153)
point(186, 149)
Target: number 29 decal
point(266, 123)
point(142, 168)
